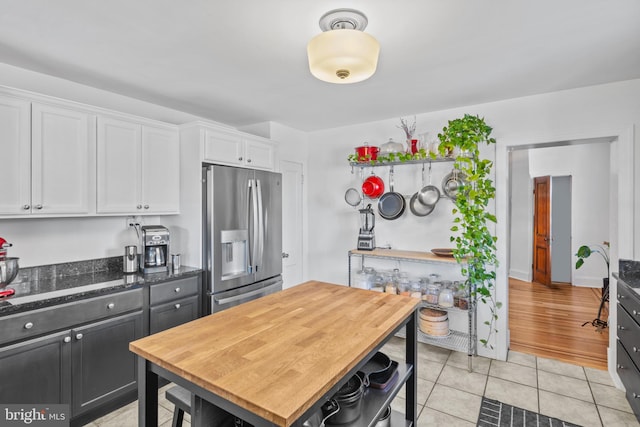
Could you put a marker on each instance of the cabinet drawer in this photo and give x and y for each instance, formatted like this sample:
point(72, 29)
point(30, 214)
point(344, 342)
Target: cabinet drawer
point(630, 377)
point(169, 291)
point(37, 322)
point(629, 334)
point(175, 313)
point(629, 300)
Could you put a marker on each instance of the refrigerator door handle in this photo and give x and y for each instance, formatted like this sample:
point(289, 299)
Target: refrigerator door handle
point(254, 237)
point(261, 229)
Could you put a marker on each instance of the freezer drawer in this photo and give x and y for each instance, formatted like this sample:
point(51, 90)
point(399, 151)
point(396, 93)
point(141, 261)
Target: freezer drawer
point(224, 300)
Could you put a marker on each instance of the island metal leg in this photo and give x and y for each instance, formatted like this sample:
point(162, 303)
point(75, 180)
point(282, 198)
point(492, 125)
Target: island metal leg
point(411, 358)
point(147, 395)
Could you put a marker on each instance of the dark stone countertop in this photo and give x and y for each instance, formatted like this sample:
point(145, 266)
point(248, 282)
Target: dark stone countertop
point(49, 291)
point(629, 273)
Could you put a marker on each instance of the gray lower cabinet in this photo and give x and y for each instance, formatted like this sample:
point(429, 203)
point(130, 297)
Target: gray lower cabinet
point(172, 314)
point(37, 371)
point(628, 345)
point(103, 366)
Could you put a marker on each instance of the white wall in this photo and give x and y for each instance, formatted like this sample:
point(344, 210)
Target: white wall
point(521, 203)
point(598, 111)
point(588, 165)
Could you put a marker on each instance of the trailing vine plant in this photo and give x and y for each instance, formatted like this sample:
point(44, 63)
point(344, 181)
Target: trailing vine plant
point(475, 245)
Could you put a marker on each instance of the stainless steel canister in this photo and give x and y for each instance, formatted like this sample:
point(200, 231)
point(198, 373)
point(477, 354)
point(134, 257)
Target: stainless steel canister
point(130, 259)
point(175, 262)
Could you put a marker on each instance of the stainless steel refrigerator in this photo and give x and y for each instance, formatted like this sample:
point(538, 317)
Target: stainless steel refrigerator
point(243, 234)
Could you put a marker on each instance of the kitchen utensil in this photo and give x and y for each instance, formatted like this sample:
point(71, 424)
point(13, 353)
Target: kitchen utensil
point(175, 262)
point(429, 194)
point(391, 204)
point(352, 197)
point(4, 245)
point(382, 380)
point(416, 207)
point(373, 187)
point(452, 183)
point(366, 153)
point(378, 363)
point(8, 271)
point(366, 238)
point(348, 401)
point(443, 252)
point(130, 259)
point(385, 418)
point(391, 147)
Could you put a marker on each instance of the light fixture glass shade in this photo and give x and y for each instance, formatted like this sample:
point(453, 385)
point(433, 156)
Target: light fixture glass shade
point(343, 56)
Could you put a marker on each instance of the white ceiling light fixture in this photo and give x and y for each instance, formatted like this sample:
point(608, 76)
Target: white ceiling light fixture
point(343, 53)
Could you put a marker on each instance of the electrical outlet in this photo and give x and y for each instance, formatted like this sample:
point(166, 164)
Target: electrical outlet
point(130, 221)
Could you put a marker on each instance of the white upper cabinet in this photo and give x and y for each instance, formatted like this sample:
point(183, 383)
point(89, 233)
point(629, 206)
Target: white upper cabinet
point(160, 170)
point(15, 152)
point(138, 168)
point(63, 160)
point(237, 149)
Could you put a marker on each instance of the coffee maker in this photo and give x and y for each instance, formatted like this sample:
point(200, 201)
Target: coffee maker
point(155, 249)
point(366, 238)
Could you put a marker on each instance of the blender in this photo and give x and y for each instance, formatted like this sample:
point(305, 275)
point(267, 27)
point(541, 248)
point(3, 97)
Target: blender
point(366, 238)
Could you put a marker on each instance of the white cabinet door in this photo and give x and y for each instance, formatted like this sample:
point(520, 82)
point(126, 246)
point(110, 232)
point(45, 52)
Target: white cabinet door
point(15, 154)
point(119, 166)
point(62, 160)
point(259, 154)
point(224, 148)
point(160, 170)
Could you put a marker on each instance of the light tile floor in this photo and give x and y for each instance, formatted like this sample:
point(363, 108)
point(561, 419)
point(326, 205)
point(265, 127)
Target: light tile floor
point(448, 395)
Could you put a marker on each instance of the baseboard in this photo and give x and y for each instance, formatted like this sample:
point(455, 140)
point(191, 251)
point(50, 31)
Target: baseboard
point(520, 275)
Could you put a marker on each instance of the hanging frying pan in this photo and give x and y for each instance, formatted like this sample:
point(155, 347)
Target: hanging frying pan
point(429, 194)
point(391, 204)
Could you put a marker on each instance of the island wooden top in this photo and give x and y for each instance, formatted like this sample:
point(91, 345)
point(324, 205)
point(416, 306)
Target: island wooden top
point(278, 355)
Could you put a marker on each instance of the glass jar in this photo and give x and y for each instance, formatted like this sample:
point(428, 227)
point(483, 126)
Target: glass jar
point(415, 290)
point(363, 279)
point(431, 294)
point(460, 298)
point(403, 283)
point(390, 286)
point(445, 298)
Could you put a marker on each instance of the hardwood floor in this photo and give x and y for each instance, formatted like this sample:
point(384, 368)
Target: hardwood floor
point(547, 322)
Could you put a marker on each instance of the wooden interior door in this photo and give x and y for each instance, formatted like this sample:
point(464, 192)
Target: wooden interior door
point(542, 230)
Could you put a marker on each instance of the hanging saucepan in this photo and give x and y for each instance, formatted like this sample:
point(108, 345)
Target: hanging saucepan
point(391, 204)
point(429, 194)
point(416, 207)
point(452, 183)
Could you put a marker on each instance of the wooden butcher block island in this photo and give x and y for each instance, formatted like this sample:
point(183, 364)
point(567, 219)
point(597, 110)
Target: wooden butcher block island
point(277, 359)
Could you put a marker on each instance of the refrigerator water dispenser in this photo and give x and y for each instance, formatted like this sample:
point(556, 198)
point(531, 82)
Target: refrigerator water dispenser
point(234, 253)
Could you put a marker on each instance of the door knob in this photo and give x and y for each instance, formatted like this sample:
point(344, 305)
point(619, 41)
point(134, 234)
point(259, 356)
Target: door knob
point(26, 207)
point(38, 207)
point(146, 206)
point(67, 339)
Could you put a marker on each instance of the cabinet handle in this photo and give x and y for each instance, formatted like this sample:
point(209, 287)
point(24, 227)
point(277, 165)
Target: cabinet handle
point(28, 325)
point(177, 290)
point(139, 207)
point(79, 336)
point(621, 327)
point(248, 160)
point(635, 313)
point(619, 366)
point(240, 158)
point(146, 206)
point(110, 306)
point(635, 396)
point(26, 207)
point(39, 207)
point(635, 349)
point(177, 306)
point(621, 296)
point(67, 339)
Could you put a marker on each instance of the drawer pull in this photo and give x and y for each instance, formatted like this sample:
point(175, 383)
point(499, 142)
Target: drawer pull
point(79, 336)
point(67, 339)
point(619, 366)
point(621, 327)
point(28, 325)
point(177, 306)
point(177, 290)
point(110, 306)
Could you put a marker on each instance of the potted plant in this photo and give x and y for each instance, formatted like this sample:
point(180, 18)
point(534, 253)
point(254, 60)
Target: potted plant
point(475, 245)
point(585, 252)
